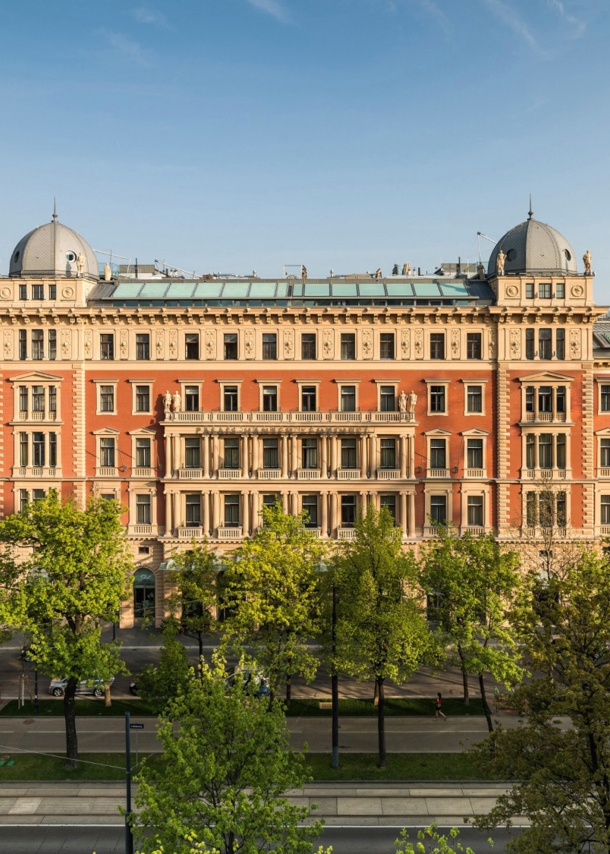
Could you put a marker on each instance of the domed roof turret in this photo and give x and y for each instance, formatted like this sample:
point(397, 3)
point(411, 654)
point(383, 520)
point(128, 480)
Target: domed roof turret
point(533, 247)
point(53, 250)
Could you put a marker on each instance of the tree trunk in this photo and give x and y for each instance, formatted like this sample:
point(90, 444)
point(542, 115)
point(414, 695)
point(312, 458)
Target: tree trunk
point(70, 718)
point(107, 698)
point(486, 708)
point(288, 690)
point(464, 675)
point(376, 695)
point(200, 639)
point(381, 722)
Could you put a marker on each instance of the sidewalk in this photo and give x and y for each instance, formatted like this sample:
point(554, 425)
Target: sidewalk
point(355, 804)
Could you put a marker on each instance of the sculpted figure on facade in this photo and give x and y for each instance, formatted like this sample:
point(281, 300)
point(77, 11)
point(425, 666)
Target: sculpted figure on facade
point(124, 343)
point(249, 343)
point(403, 402)
point(455, 343)
point(367, 343)
point(88, 343)
point(8, 344)
point(65, 344)
point(80, 263)
point(500, 262)
point(173, 344)
point(419, 343)
point(159, 343)
point(177, 403)
point(328, 343)
point(107, 272)
point(210, 343)
point(587, 259)
point(412, 402)
point(167, 404)
point(405, 343)
point(575, 343)
point(515, 343)
point(493, 342)
point(480, 271)
point(289, 343)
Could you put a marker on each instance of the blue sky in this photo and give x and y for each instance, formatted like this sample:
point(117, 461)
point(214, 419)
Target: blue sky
point(231, 135)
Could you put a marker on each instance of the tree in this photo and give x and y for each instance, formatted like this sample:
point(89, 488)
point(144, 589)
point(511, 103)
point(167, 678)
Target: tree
point(471, 584)
point(225, 769)
point(272, 591)
point(196, 592)
point(430, 841)
point(563, 772)
point(64, 571)
point(381, 630)
point(158, 684)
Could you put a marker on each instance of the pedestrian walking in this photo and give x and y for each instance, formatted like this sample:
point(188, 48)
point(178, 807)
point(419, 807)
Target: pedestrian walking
point(438, 705)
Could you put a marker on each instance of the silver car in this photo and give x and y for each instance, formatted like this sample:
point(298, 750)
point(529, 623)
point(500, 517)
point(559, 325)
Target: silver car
point(93, 687)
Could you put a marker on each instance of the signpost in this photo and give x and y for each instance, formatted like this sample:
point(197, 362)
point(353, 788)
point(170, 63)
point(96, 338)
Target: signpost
point(128, 834)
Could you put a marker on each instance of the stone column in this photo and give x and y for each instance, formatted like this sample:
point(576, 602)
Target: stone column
point(403, 513)
point(412, 455)
point(215, 455)
point(255, 449)
point(295, 456)
point(168, 455)
point(295, 503)
point(324, 526)
point(215, 511)
point(256, 516)
point(244, 456)
point(245, 513)
point(205, 500)
point(334, 503)
point(284, 456)
point(334, 442)
point(411, 515)
point(364, 466)
point(284, 496)
point(206, 455)
point(373, 455)
point(176, 500)
point(323, 457)
point(169, 516)
point(403, 457)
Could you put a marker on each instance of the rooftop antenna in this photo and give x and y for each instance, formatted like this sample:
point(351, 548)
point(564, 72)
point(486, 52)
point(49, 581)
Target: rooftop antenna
point(54, 209)
point(530, 214)
point(480, 234)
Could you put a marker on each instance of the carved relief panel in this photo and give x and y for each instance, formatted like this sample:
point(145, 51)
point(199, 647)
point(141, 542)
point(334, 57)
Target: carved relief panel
point(418, 337)
point(173, 343)
point(493, 342)
point(515, 344)
point(249, 343)
point(159, 344)
point(405, 344)
point(366, 342)
point(455, 343)
point(66, 344)
point(575, 348)
point(210, 343)
point(88, 343)
point(328, 343)
point(289, 343)
point(124, 343)
point(8, 344)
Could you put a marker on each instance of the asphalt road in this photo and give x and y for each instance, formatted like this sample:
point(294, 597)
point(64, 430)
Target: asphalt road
point(109, 840)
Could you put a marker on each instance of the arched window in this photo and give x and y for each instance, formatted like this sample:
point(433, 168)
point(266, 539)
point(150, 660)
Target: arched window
point(143, 593)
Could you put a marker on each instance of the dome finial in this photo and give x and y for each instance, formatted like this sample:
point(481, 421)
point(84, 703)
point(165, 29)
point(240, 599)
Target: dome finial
point(530, 213)
point(54, 209)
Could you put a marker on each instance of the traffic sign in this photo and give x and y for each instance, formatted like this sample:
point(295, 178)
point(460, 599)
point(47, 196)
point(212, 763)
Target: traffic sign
point(136, 726)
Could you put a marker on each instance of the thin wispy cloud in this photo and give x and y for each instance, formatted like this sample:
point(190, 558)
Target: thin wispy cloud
point(509, 16)
point(271, 7)
point(126, 48)
point(577, 26)
point(145, 15)
point(435, 12)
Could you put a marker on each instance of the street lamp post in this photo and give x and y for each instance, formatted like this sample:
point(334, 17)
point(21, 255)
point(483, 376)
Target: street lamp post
point(334, 681)
point(36, 690)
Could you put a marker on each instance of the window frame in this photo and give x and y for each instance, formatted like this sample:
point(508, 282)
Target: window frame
point(262, 384)
point(98, 395)
point(433, 344)
point(143, 344)
point(134, 396)
point(231, 344)
point(308, 343)
point(389, 345)
point(430, 382)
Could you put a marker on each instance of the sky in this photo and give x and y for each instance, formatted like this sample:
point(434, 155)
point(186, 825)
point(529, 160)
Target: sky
point(240, 135)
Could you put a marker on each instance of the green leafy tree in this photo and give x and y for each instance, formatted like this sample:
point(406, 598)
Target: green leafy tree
point(563, 772)
point(381, 631)
point(226, 767)
point(160, 683)
point(272, 591)
point(472, 583)
point(64, 571)
point(196, 593)
point(430, 841)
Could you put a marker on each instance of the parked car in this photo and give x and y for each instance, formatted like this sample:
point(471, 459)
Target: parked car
point(93, 687)
point(247, 674)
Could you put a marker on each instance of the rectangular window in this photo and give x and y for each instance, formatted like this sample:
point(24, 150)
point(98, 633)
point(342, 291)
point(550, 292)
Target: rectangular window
point(530, 344)
point(52, 344)
point(531, 510)
point(38, 454)
point(270, 500)
point(230, 346)
point(348, 511)
point(604, 453)
point(231, 510)
point(605, 509)
point(348, 346)
point(561, 505)
point(106, 398)
point(348, 453)
point(438, 454)
point(23, 399)
point(23, 291)
point(546, 509)
point(191, 398)
point(107, 346)
point(191, 345)
point(192, 453)
point(309, 449)
point(348, 398)
point(438, 509)
point(38, 494)
point(437, 398)
point(107, 452)
point(544, 290)
point(561, 450)
point(530, 451)
point(387, 398)
point(545, 344)
point(23, 493)
point(560, 290)
point(560, 398)
point(474, 453)
point(308, 345)
point(37, 344)
point(52, 398)
point(310, 507)
point(308, 398)
point(52, 291)
point(389, 502)
point(230, 398)
point(231, 449)
point(545, 450)
point(545, 399)
point(475, 511)
point(37, 291)
point(143, 453)
point(269, 345)
point(143, 509)
point(37, 398)
point(23, 449)
point(269, 398)
point(529, 398)
point(437, 345)
point(474, 398)
point(560, 343)
point(143, 347)
point(605, 398)
point(193, 509)
point(23, 344)
point(386, 345)
point(387, 457)
point(473, 345)
point(271, 457)
point(529, 290)
point(142, 398)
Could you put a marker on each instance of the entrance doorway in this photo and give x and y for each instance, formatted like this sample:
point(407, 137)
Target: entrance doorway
point(143, 593)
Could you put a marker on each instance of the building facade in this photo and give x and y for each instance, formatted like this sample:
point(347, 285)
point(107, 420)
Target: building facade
point(196, 401)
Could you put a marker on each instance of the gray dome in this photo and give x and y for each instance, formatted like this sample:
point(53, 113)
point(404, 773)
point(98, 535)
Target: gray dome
point(52, 250)
point(534, 247)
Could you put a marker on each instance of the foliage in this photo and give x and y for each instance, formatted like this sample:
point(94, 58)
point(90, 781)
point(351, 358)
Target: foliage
point(563, 772)
point(473, 583)
point(430, 836)
point(160, 683)
point(225, 770)
point(196, 592)
point(62, 572)
point(272, 590)
point(381, 631)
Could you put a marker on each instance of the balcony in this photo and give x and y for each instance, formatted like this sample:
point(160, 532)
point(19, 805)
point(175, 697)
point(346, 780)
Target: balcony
point(271, 416)
point(546, 474)
point(477, 474)
point(188, 416)
point(229, 416)
point(269, 474)
point(545, 417)
point(346, 533)
point(308, 474)
point(24, 415)
point(229, 532)
point(390, 416)
point(603, 472)
point(228, 474)
point(348, 474)
point(190, 474)
point(35, 471)
point(142, 472)
point(187, 533)
point(141, 530)
point(388, 474)
point(444, 473)
point(307, 416)
point(475, 530)
point(107, 471)
point(346, 416)
point(315, 532)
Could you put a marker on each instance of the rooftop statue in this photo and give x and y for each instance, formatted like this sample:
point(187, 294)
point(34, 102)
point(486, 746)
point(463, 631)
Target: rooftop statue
point(500, 261)
point(587, 258)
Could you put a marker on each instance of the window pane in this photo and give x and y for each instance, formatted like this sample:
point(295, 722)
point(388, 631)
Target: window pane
point(604, 453)
point(310, 506)
point(387, 398)
point(192, 453)
point(37, 344)
point(308, 345)
point(107, 452)
point(107, 346)
point(23, 399)
point(348, 511)
point(193, 510)
point(270, 454)
point(437, 453)
point(437, 398)
point(475, 453)
point(143, 509)
point(269, 345)
point(230, 345)
point(389, 502)
point(309, 452)
point(438, 509)
point(23, 449)
point(386, 345)
point(143, 453)
point(475, 510)
point(269, 398)
point(348, 346)
point(348, 398)
point(191, 395)
point(348, 453)
point(191, 345)
point(231, 509)
point(37, 398)
point(530, 451)
point(230, 398)
point(605, 510)
point(52, 344)
point(605, 398)
point(560, 344)
point(545, 451)
point(142, 398)
point(388, 454)
point(308, 398)
point(23, 344)
point(529, 344)
point(437, 345)
point(231, 451)
point(531, 509)
point(143, 346)
point(473, 345)
point(545, 344)
point(107, 398)
point(474, 398)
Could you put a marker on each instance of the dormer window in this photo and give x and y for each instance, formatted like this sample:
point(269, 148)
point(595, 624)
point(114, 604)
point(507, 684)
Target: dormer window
point(544, 290)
